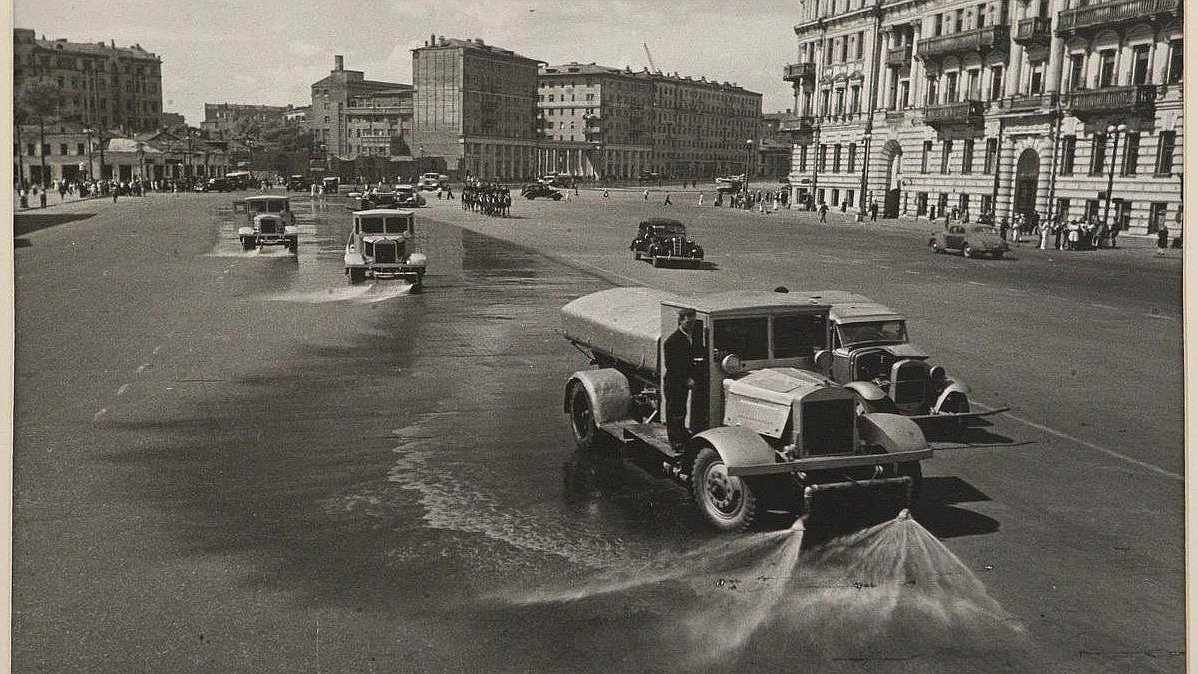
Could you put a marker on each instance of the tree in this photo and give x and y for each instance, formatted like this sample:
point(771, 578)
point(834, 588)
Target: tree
point(39, 101)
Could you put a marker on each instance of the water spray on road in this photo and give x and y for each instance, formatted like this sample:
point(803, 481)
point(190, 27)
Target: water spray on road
point(363, 294)
point(891, 590)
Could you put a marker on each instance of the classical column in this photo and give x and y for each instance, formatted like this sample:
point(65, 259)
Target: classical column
point(1006, 180)
point(1017, 57)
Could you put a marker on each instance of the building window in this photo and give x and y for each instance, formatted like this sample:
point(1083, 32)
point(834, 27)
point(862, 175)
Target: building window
point(1098, 154)
point(1164, 155)
point(1176, 60)
point(1131, 154)
point(950, 87)
point(803, 158)
point(1106, 69)
point(1068, 154)
point(967, 157)
point(996, 83)
point(836, 158)
point(860, 45)
point(1037, 82)
point(931, 93)
point(1139, 72)
point(991, 154)
point(852, 157)
point(923, 160)
point(1157, 213)
point(987, 203)
point(62, 148)
point(856, 99)
point(1091, 213)
point(1077, 71)
point(945, 153)
point(975, 84)
point(905, 93)
point(821, 159)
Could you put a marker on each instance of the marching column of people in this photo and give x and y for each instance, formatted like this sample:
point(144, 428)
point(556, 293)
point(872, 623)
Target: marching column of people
point(487, 198)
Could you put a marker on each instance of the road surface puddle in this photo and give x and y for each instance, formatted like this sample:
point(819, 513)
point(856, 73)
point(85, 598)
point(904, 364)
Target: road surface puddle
point(892, 591)
point(362, 294)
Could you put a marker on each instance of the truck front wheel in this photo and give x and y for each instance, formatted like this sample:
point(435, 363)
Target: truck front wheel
point(726, 502)
point(356, 276)
point(587, 435)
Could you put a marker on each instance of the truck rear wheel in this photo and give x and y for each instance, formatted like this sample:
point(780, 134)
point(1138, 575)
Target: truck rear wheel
point(248, 243)
point(587, 435)
point(726, 502)
point(356, 276)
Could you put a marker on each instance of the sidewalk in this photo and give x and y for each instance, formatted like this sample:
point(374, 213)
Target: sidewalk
point(51, 202)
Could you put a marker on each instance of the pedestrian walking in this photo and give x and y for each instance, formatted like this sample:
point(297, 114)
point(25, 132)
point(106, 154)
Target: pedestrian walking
point(667, 202)
point(823, 212)
point(605, 194)
point(645, 194)
point(873, 212)
point(1162, 239)
point(1114, 233)
point(1045, 230)
point(700, 200)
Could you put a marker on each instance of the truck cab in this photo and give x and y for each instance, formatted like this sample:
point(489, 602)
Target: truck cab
point(760, 418)
point(382, 244)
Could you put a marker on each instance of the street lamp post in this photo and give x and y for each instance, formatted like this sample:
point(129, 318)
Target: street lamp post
point(1110, 183)
point(90, 165)
point(748, 165)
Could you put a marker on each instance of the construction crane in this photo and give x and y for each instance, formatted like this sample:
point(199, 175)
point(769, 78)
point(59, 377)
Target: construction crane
point(649, 57)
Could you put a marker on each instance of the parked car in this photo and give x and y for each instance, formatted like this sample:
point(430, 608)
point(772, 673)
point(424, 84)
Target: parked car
point(271, 223)
point(869, 353)
point(408, 197)
point(382, 245)
point(664, 241)
point(970, 241)
point(297, 183)
point(729, 184)
point(331, 184)
point(366, 201)
point(535, 190)
point(216, 185)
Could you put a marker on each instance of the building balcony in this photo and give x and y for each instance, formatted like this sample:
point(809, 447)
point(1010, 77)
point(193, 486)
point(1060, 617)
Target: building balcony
point(1114, 13)
point(898, 56)
point(1138, 98)
point(1032, 103)
point(950, 114)
point(1034, 31)
point(799, 72)
point(979, 40)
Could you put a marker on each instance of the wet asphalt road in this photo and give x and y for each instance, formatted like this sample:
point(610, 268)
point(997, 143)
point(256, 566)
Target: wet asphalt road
point(236, 462)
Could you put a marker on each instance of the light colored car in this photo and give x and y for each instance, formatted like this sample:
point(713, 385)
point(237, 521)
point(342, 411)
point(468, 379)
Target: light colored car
point(270, 222)
point(431, 181)
point(382, 245)
point(407, 196)
point(970, 241)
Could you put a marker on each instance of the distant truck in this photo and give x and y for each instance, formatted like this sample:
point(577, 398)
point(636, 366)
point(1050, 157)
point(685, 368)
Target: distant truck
point(764, 430)
point(382, 245)
point(270, 223)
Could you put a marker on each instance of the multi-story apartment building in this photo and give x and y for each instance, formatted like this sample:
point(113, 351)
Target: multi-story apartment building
point(104, 86)
point(219, 118)
point(1065, 108)
point(475, 106)
point(594, 121)
point(702, 128)
point(328, 115)
point(380, 123)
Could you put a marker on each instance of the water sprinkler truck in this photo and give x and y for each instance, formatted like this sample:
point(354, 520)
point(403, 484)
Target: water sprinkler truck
point(765, 429)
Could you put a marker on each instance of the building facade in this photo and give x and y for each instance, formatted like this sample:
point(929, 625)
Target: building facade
point(1060, 108)
point(220, 118)
point(380, 123)
point(594, 121)
point(328, 116)
point(701, 128)
point(475, 106)
point(104, 86)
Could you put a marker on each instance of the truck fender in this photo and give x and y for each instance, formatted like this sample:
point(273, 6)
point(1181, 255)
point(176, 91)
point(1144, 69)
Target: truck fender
point(290, 230)
point(736, 445)
point(893, 432)
point(245, 231)
point(956, 387)
point(608, 389)
point(866, 390)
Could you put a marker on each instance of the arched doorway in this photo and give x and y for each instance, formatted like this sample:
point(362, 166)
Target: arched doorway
point(893, 152)
point(1027, 179)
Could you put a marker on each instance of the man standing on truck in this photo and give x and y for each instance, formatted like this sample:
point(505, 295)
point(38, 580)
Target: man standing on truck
point(678, 357)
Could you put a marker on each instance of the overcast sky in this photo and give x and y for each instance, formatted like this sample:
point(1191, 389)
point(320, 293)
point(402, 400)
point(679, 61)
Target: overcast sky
point(271, 51)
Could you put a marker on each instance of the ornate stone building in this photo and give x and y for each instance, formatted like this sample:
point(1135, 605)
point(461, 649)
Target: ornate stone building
point(1060, 107)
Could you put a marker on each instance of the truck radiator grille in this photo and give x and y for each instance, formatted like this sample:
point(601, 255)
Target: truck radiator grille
point(827, 427)
point(909, 382)
point(384, 252)
point(268, 226)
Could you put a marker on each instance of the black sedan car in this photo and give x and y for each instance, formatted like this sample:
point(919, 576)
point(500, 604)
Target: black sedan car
point(534, 190)
point(664, 241)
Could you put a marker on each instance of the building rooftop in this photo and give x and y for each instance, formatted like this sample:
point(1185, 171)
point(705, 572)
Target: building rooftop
point(442, 42)
point(85, 48)
point(567, 69)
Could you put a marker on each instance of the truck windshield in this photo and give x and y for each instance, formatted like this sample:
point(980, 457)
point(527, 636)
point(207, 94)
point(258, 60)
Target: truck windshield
point(798, 336)
point(397, 225)
point(276, 206)
point(746, 337)
point(372, 225)
point(886, 332)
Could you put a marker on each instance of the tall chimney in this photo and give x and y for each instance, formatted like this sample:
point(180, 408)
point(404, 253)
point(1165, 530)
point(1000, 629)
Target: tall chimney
point(338, 62)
